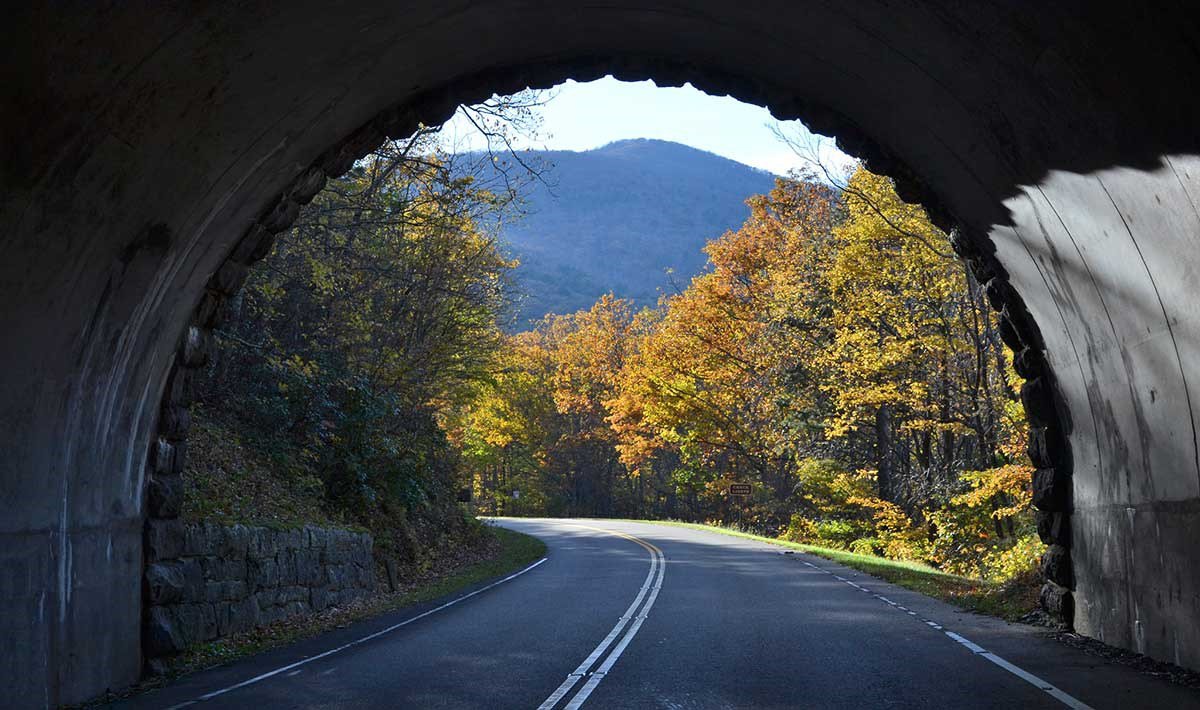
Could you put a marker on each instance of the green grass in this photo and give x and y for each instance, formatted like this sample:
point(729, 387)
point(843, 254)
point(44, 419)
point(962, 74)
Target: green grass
point(510, 552)
point(1011, 600)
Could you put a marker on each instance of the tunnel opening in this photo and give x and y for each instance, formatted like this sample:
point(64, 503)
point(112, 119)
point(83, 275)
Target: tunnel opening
point(165, 535)
point(1073, 179)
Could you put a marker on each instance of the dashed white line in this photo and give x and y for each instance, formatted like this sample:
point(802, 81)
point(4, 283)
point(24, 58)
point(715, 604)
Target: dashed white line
point(1045, 686)
point(1021, 673)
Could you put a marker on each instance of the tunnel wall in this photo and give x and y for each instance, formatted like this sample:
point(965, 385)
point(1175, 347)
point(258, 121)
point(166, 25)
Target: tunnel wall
point(142, 143)
point(1109, 272)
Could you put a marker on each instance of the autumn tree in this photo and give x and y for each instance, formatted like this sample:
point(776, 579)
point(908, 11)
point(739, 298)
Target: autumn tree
point(914, 351)
point(721, 381)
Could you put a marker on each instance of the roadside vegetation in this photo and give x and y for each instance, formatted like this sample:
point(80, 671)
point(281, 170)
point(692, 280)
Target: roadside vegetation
point(835, 357)
point(1012, 599)
point(381, 307)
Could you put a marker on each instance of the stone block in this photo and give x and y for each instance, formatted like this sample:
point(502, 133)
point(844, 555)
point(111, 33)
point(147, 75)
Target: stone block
point(164, 583)
point(1058, 602)
point(289, 573)
point(210, 311)
point(208, 621)
point(266, 598)
point(1038, 398)
point(215, 592)
point(393, 576)
point(319, 598)
point(308, 567)
point(1056, 566)
point(160, 633)
point(189, 622)
point(254, 245)
point(262, 574)
point(162, 457)
point(306, 187)
point(1029, 363)
point(180, 387)
point(237, 616)
point(292, 539)
point(999, 293)
point(1009, 335)
point(164, 496)
point(316, 536)
point(179, 460)
point(262, 544)
point(197, 540)
point(281, 215)
point(174, 423)
point(288, 595)
point(295, 609)
point(271, 614)
point(163, 539)
point(234, 541)
point(196, 346)
point(1054, 528)
point(216, 568)
point(229, 278)
point(340, 158)
point(335, 576)
point(1048, 448)
point(1051, 490)
point(193, 579)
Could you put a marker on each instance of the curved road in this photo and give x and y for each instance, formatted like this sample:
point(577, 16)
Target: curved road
point(631, 615)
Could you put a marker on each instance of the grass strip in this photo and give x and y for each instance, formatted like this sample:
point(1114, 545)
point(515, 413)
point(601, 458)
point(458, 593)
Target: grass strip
point(1011, 600)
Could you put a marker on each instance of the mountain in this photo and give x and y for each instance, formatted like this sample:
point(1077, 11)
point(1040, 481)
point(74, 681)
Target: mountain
point(616, 218)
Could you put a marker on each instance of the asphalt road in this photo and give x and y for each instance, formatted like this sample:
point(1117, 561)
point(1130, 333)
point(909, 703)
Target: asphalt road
point(629, 615)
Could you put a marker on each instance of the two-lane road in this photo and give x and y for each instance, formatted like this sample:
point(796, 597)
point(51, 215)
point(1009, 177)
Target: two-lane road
point(630, 615)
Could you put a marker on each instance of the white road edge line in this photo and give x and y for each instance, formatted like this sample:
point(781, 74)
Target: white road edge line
point(1045, 686)
point(1021, 673)
point(364, 639)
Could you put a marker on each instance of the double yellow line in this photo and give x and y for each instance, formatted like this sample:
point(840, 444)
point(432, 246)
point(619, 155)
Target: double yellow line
point(589, 672)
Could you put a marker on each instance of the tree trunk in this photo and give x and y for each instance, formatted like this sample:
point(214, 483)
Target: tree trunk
point(883, 451)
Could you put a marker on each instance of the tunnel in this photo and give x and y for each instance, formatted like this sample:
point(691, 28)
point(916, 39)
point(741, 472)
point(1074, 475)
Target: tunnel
point(151, 151)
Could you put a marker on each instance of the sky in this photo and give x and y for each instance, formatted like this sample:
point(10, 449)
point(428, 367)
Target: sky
point(584, 116)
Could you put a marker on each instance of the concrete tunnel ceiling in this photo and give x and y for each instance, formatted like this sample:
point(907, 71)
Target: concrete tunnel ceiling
point(143, 144)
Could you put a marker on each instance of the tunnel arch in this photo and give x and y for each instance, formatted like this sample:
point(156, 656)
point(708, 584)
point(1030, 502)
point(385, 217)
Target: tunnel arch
point(162, 149)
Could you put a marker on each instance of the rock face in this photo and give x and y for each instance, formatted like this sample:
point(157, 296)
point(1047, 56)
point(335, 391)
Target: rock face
point(230, 579)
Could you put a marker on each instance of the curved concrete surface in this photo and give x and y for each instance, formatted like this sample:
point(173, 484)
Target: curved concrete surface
point(141, 142)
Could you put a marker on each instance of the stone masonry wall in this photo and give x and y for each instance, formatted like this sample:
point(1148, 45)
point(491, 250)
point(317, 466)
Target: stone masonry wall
point(210, 581)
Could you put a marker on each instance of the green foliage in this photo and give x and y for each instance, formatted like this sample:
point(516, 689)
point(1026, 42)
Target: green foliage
point(380, 308)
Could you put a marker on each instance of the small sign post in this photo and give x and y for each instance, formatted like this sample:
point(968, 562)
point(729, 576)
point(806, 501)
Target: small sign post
point(740, 490)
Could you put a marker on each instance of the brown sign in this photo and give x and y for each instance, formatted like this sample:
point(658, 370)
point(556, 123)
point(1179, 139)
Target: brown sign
point(739, 489)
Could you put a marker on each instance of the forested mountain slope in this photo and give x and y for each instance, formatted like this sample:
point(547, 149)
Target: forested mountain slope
point(615, 218)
